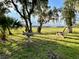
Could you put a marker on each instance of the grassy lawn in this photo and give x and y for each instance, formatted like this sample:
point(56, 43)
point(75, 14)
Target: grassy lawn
point(16, 46)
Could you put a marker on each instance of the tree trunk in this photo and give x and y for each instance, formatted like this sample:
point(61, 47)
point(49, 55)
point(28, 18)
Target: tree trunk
point(26, 27)
point(3, 36)
point(39, 28)
point(70, 29)
point(69, 24)
point(30, 23)
point(10, 33)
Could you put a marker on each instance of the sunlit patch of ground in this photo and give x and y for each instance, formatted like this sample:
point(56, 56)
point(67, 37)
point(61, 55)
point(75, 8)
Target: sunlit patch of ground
point(16, 46)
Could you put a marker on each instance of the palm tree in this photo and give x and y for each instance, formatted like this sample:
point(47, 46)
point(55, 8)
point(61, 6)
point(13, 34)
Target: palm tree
point(16, 24)
point(41, 19)
point(68, 14)
point(6, 23)
point(3, 10)
point(9, 24)
point(45, 16)
point(12, 23)
point(3, 27)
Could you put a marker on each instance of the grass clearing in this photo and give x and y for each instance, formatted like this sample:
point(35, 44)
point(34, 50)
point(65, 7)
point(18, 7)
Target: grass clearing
point(67, 48)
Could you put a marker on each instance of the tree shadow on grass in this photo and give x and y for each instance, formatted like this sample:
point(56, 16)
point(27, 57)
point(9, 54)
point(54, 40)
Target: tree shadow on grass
point(72, 38)
point(18, 36)
point(47, 33)
point(39, 50)
point(63, 40)
point(74, 35)
point(68, 41)
point(75, 32)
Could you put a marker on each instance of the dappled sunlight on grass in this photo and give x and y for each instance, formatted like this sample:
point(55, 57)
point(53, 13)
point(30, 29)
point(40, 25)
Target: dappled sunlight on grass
point(65, 48)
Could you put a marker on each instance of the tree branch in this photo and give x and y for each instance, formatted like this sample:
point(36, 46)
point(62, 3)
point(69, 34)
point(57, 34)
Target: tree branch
point(26, 6)
point(17, 9)
point(33, 4)
point(23, 10)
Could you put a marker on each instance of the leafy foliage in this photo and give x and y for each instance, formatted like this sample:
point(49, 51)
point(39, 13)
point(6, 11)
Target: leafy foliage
point(68, 12)
point(6, 23)
point(26, 8)
point(3, 9)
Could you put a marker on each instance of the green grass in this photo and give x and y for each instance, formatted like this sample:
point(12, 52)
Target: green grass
point(16, 46)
